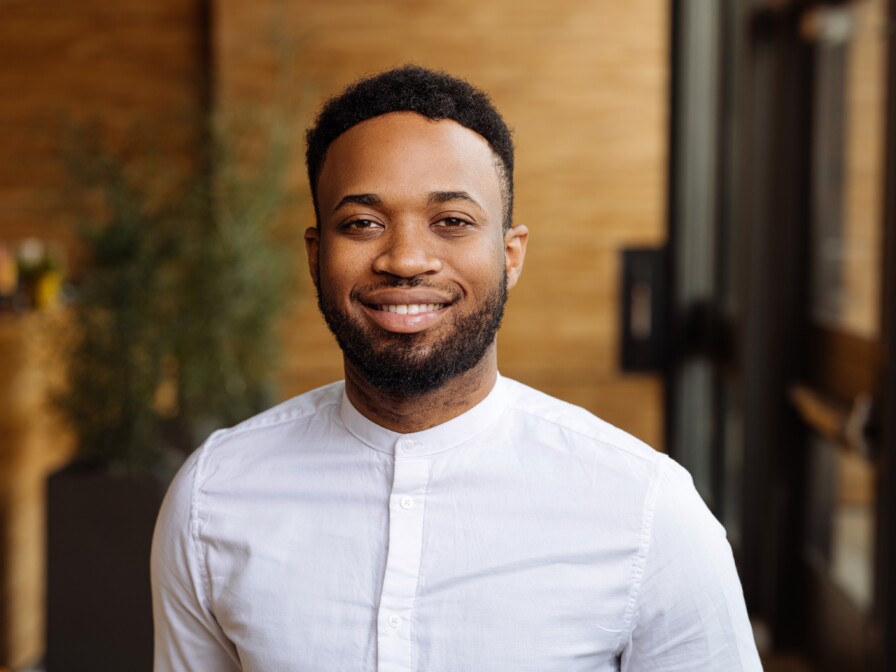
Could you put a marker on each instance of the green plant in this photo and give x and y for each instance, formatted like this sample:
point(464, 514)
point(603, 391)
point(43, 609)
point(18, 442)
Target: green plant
point(173, 324)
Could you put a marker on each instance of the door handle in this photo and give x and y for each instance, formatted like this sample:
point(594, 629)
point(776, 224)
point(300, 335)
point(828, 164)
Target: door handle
point(848, 427)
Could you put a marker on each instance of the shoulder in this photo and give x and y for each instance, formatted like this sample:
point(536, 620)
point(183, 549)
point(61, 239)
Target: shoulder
point(267, 438)
point(670, 504)
point(310, 408)
point(304, 406)
point(245, 455)
point(574, 425)
point(686, 601)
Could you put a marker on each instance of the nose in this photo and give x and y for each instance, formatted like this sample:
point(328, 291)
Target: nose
point(407, 253)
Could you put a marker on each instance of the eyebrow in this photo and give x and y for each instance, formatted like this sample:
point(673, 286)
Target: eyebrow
point(359, 199)
point(434, 197)
point(446, 196)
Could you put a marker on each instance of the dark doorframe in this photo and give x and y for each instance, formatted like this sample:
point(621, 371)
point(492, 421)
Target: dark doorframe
point(886, 575)
point(740, 184)
point(735, 336)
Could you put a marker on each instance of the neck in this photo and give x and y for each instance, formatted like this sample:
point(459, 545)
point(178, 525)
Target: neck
point(414, 414)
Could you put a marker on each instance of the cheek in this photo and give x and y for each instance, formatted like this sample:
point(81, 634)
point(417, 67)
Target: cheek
point(483, 270)
point(331, 288)
point(337, 265)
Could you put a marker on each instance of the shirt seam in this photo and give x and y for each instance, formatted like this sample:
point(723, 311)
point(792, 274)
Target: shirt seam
point(196, 493)
point(605, 442)
point(195, 504)
point(278, 419)
point(640, 560)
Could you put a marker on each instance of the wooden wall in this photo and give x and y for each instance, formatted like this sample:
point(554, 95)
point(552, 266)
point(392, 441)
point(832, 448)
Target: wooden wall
point(121, 64)
point(583, 83)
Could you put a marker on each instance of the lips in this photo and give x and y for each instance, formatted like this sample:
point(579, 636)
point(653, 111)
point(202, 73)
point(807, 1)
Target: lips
point(405, 310)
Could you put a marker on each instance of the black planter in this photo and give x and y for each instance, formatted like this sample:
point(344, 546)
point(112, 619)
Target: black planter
point(99, 608)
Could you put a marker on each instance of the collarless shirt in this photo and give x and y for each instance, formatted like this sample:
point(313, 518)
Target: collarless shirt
point(525, 535)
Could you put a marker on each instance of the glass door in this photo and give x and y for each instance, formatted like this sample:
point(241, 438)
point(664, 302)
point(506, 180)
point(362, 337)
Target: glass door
point(781, 393)
point(842, 377)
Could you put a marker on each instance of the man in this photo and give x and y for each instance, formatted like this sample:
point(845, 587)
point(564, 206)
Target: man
point(426, 514)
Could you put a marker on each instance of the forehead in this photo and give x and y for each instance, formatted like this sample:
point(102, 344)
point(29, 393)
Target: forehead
point(404, 152)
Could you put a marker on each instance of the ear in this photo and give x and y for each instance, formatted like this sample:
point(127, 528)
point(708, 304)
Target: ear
point(312, 247)
point(515, 240)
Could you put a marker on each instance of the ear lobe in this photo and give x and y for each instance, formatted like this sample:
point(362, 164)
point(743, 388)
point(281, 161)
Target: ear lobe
point(312, 247)
point(515, 241)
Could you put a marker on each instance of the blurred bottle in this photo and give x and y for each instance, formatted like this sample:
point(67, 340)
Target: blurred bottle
point(40, 274)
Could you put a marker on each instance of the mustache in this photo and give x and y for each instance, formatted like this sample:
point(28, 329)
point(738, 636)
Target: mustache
point(408, 283)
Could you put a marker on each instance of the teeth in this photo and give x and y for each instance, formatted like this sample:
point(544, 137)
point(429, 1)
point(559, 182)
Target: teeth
point(411, 309)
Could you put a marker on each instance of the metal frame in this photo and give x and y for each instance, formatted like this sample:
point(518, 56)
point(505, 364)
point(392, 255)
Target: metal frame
point(887, 409)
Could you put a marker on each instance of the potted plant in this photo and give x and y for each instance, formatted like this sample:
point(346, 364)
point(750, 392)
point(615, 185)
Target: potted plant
point(171, 333)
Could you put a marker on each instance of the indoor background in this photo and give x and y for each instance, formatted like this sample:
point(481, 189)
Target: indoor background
point(715, 139)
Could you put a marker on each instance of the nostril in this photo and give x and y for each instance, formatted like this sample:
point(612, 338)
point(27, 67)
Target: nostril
point(405, 263)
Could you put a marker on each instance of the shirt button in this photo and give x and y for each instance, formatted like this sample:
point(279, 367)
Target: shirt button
point(394, 621)
point(407, 502)
point(407, 446)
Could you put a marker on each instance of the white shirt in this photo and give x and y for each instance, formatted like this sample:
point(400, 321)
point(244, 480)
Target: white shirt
point(525, 535)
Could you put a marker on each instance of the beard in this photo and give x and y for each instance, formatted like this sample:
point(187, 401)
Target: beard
point(405, 365)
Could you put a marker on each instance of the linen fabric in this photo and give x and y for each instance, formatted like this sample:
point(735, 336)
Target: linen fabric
point(525, 535)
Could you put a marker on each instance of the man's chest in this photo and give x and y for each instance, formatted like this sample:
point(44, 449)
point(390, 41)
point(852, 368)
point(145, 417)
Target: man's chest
point(429, 572)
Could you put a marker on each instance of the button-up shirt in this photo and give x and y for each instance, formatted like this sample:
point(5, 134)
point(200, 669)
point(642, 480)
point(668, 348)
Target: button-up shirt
point(525, 535)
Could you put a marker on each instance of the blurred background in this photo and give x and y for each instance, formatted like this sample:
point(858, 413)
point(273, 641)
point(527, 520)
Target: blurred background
point(709, 188)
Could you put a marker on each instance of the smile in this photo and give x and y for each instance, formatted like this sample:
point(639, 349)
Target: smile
point(406, 318)
point(411, 308)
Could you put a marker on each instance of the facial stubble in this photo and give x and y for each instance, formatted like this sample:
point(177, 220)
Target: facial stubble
point(405, 365)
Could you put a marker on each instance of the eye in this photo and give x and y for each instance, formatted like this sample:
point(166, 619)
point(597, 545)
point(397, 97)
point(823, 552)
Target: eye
point(360, 225)
point(452, 224)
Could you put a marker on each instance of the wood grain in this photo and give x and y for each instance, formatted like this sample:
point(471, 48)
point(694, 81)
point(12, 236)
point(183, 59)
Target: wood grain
point(584, 86)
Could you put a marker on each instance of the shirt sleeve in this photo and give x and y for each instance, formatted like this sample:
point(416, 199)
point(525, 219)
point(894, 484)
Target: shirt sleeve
point(689, 612)
point(187, 636)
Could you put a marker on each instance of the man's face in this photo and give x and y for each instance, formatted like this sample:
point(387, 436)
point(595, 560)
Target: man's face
point(411, 263)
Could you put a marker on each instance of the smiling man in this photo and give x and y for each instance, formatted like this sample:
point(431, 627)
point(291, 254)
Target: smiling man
point(425, 513)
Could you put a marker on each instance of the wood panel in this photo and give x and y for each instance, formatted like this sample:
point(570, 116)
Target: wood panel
point(31, 446)
point(122, 64)
point(126, 64)
point(583, 83)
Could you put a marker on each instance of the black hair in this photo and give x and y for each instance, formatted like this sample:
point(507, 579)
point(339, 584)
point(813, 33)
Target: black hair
point(411, 88)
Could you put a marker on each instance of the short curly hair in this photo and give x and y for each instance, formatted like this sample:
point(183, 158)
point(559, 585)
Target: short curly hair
point(411, 88)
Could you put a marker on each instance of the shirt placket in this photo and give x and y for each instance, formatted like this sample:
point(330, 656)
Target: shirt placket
point(406, 508)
